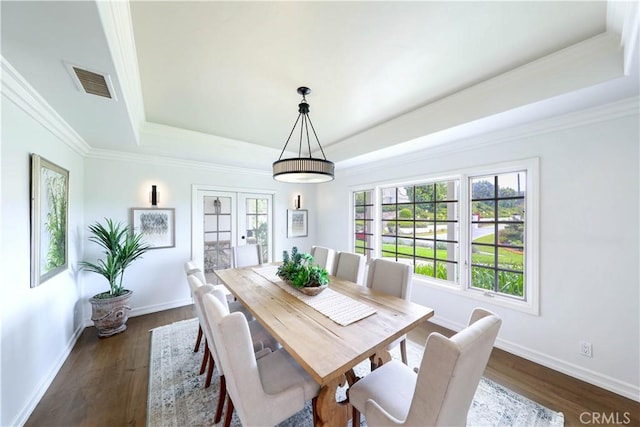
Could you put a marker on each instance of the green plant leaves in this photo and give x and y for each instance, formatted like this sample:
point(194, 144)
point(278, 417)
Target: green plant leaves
point(300, 271)
point(121, 248)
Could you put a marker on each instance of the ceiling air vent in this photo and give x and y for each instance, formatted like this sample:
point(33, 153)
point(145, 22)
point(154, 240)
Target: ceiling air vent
point(91, 82)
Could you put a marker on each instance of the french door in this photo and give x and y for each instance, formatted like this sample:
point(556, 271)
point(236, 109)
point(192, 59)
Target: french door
point(223, 219)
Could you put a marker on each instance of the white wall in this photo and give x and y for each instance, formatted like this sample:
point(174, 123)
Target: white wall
point(589, 267)
point(39, 325)
point(589, 229)
point(117, 182)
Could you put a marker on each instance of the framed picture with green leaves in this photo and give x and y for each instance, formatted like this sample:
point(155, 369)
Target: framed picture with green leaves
point(49, 219)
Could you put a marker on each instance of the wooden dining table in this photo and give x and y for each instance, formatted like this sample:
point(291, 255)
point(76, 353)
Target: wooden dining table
point(326, 350)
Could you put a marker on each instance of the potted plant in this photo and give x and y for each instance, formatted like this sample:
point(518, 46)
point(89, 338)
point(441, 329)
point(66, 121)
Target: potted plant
point(121, 247)
point(299, 271)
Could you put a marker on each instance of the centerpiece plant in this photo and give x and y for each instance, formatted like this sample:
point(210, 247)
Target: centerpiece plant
point(299, 270)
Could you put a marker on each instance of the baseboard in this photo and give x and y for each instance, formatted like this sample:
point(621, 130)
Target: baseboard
point(613, 385)
point(23, 416)
point(603, 381)
point(139, 311)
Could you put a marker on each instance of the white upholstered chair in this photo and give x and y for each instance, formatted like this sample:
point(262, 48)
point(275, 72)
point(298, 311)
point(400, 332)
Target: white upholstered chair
point(441, 393)
point(392, 278)
point(263, 391)
point(190, 267)
point(262, 343)
point(246, 255)
point(233, 305)
point(350, 266)
point(194, 284)
point(324, 257)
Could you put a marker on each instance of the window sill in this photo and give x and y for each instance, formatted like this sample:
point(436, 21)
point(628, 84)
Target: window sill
point(530, 307)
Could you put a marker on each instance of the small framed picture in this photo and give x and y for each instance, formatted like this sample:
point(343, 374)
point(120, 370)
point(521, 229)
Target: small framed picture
point(156, 225)
point(49, 219)
point(297, 223)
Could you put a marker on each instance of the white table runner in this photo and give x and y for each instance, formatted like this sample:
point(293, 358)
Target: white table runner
point(338, 307)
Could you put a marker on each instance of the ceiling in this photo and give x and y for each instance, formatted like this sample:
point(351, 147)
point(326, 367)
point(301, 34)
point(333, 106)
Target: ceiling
point(216, 81)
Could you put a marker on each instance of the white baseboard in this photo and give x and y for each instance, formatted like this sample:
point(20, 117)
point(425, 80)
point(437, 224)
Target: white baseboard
point(139, 311)
point(608, 383)
point(26, 412)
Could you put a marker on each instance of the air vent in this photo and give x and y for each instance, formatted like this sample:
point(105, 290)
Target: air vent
point(91, 81)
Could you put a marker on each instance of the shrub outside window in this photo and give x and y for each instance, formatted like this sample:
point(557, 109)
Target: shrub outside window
point(498, 233)
point(419, 225)
point(474, 231)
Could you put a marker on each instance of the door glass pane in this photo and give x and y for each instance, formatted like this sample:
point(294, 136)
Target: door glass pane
point(257, 224)
point(217, 235)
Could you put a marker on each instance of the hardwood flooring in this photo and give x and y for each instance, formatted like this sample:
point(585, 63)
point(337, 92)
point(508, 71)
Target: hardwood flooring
point(580, 402)
point(104, 381)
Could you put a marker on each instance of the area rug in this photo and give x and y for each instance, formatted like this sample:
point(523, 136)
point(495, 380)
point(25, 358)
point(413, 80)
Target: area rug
point(177, 396)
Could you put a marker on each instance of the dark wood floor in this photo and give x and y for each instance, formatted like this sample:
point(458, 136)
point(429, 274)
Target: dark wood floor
point(104, 381)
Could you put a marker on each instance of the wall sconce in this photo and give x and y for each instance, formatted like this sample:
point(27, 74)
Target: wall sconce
point(154, 196)
point(296, 202)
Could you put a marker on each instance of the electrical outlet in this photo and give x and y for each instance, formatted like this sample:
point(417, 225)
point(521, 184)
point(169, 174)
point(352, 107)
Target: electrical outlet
point(586, 349)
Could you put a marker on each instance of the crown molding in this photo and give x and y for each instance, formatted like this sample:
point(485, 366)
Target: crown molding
point(118, 30)
point(437, 145)
point(585, 64)
point(141, 158)
point(16, 89)
point(622, 19)
point(161, 131)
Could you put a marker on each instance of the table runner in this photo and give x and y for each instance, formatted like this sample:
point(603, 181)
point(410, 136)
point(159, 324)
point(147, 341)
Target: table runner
point(338, 307)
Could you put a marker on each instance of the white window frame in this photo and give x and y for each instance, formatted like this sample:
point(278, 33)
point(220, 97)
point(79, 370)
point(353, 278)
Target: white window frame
point(530, 303)
point(352, 219)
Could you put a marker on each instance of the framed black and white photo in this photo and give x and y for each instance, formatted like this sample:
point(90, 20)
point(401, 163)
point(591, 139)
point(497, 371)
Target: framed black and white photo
point(49, 219)
point(297, 223)
point(156, 225)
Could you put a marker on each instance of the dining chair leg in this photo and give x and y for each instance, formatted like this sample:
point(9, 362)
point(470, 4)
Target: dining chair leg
point(227, 417)
point(403, 351)
point(221, 399)
point(355, 417)
point(314, 413)
point(212, 363)
point(205, 358)
point(197, 347)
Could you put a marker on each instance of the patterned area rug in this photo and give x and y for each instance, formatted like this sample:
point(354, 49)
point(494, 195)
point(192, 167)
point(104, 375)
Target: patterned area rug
point(177, 396)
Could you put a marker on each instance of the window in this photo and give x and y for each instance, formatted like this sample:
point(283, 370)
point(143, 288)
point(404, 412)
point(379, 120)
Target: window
point(473, 231)
point(419, 225)
point(363, 222)
point(498, 233)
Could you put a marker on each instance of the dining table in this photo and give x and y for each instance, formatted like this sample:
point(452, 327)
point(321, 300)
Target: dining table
point(327, 334)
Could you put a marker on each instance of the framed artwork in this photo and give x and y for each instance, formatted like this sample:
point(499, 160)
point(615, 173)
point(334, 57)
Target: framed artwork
point(49, 219)
point(297, 223)
point(156, 225)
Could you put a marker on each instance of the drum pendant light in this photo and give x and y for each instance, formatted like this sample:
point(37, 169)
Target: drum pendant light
point(303, 169)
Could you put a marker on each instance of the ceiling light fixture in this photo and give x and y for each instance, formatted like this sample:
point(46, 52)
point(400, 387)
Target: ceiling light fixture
point(303, 169)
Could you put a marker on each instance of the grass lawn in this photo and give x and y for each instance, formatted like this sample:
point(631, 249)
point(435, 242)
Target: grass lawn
point(506, 257)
